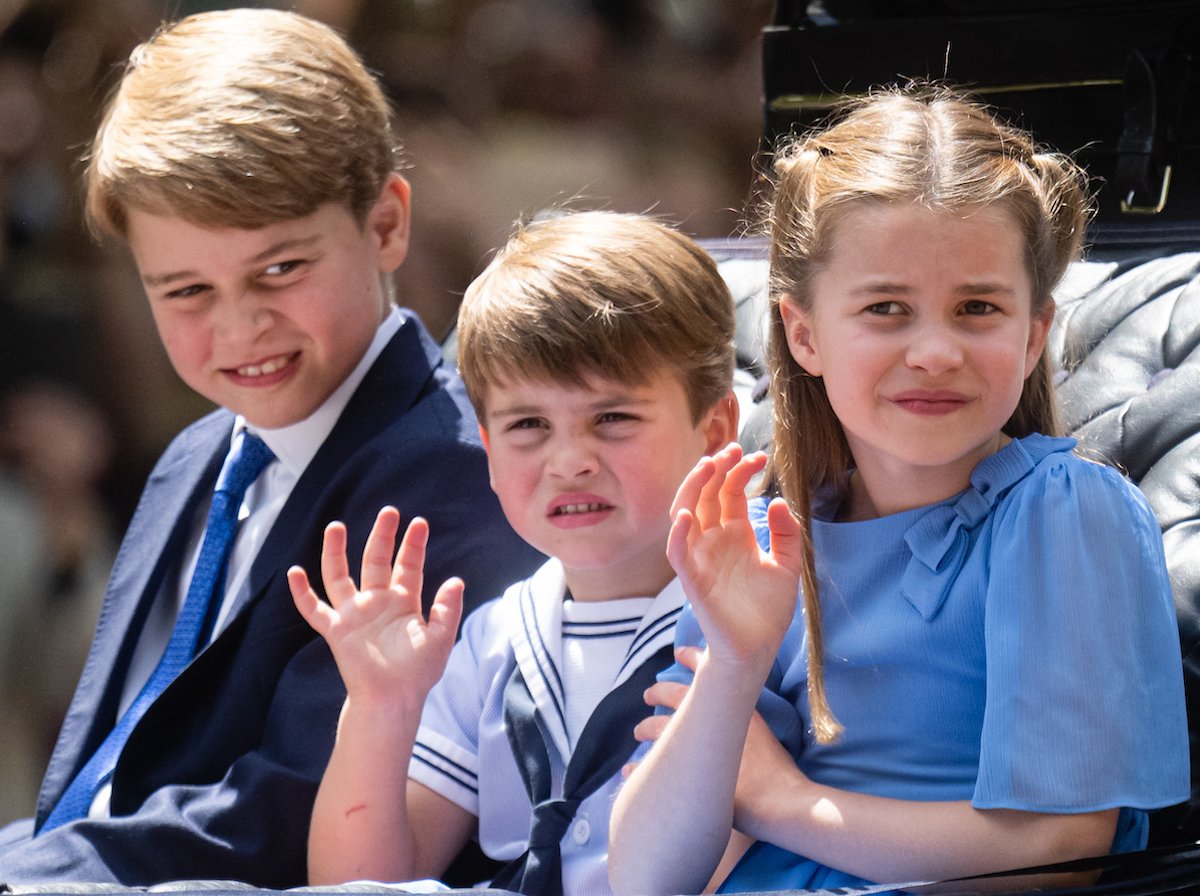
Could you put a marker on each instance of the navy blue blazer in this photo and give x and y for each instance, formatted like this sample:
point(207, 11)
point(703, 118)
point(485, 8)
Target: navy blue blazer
point(218, 779)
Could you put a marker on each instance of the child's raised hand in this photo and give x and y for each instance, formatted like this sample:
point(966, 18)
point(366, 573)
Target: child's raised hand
point(382, 642)
point(744, 598)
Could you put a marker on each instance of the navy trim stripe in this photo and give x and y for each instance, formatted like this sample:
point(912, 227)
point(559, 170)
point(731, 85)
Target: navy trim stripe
point(592, 636)
point(437, 754)
point(544, 663)
point(630, 621)
point(655, 628)
point(637, 653)
point(448, 773)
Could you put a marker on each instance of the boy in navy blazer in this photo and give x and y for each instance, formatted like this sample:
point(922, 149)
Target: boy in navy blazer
point(247, 159)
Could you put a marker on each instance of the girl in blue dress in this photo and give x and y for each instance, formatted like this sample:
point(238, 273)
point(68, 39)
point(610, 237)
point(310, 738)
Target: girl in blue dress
point(984, 672)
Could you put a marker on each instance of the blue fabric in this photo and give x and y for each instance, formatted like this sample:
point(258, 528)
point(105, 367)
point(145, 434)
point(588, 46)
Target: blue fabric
point(1015, 646)
point(247, 458)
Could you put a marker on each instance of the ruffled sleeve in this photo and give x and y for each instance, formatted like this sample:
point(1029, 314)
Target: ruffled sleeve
point(1084, 707)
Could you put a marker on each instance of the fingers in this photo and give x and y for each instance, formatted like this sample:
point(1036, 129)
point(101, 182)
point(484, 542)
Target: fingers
point(650, 728)
point(379, 549)
point(734, 485)
point(378, 571)
point(408, 572)
point(711, 500)
point(446, 612)
point(677, 548)
point(335, 569)
point(668, 694)
point(787, 536)
point(688, 495)
point(315, 612)
point(715, 490)
point(689, 656)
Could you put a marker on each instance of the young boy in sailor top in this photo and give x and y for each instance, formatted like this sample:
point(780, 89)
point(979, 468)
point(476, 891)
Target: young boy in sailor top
point(598, 350)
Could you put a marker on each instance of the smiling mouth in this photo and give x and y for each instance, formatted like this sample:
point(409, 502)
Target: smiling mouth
point(570, 509)
point(265, 369)
point(934, 407)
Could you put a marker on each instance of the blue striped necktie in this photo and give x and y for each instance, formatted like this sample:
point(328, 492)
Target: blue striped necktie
point(246, 460)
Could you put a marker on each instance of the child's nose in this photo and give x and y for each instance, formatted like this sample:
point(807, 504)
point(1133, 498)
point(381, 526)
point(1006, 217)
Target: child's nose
point(243, 317)
point(935, 348)
point(571, 457)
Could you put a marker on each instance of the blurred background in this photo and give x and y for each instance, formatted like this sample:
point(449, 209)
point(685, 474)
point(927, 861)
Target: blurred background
point(505, 107)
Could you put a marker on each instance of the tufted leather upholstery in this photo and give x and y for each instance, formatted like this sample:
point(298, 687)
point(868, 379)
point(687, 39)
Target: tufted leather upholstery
point(1129, 388)
point(1126, 343)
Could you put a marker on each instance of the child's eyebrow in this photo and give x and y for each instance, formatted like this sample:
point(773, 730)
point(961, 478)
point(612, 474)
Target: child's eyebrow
point(602, 403)
point(883, 289)
point(622, 400)
point(275, 248)
point(164, 279)
point(301, 242)
point(986, 289)
point(982, 288)
point(516, 410)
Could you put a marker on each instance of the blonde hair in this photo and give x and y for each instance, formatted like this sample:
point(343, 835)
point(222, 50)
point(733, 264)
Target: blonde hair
point(240, 118)
point(598, 293)
point(922, 144)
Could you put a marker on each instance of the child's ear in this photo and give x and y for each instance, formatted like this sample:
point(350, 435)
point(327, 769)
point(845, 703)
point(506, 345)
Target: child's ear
point(389, 221)
point(1039, 332)
point(797, 327)
point(720, 424)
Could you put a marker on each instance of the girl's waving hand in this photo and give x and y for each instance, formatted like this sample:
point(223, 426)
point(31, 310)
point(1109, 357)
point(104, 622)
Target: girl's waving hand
point(744, 598)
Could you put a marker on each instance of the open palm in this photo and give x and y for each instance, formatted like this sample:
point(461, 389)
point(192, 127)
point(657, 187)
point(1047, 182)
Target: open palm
point(743, 597)
point(382, 642)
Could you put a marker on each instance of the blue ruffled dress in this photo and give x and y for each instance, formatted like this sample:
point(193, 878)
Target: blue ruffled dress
point(1015, 646)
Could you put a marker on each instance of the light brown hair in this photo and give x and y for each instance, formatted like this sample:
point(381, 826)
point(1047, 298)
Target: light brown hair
point(922, 144)
point(598, 293)
point(240, 118)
